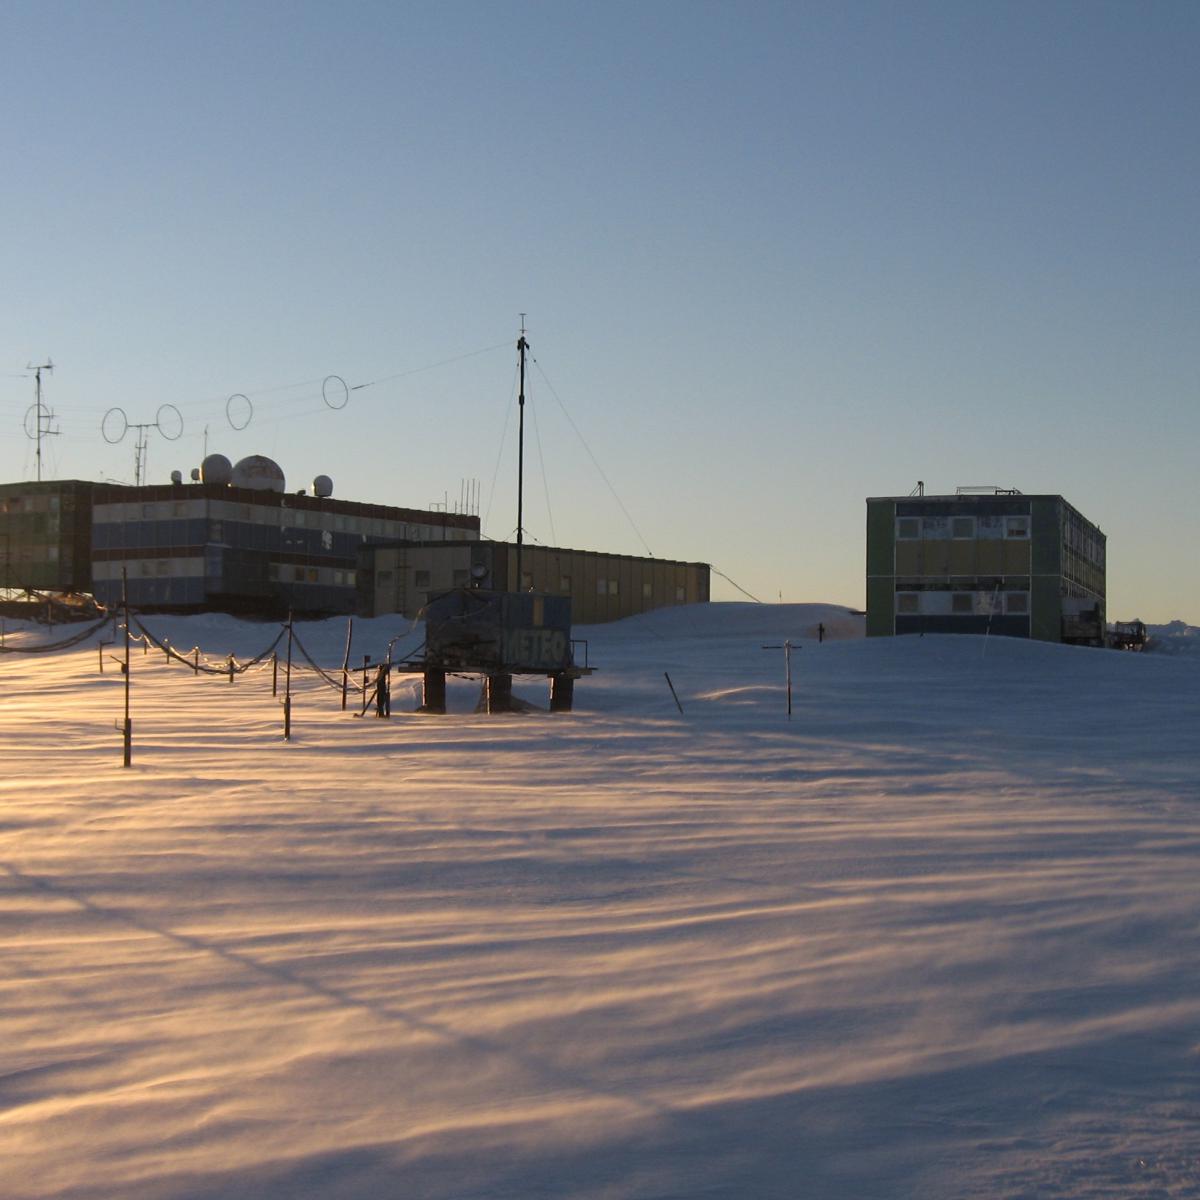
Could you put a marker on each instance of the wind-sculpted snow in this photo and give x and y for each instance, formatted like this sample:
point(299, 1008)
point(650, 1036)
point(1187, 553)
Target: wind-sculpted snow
point(934, 936)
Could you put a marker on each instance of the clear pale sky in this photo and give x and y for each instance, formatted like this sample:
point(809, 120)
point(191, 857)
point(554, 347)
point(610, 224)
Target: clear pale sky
point(776, 258)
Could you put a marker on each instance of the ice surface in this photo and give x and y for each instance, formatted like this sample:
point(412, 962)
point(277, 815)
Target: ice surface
point(937, 936)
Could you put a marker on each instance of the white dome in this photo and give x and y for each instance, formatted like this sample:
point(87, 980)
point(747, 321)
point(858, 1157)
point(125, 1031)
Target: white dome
point(322, 486)
point(258, 473)
point(216, 468)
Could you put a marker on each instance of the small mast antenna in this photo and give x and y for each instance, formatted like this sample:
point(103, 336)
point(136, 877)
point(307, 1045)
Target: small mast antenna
point(522, 346)
point(41, 417)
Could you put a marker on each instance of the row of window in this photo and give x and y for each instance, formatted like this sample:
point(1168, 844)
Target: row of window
point(44, 502)
point(961, 528)
point(378, 527)
point(296, 574)
point(422, 581)
point(935, 603)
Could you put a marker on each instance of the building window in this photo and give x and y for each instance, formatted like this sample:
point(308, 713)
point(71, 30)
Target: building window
point(526, 581)
point(312, 574)
point(1016, 527)
point(680, 594)
point(613, 587)
point(647, 590)
point(908, 603)
point(962, 527)
point(163, 566)
point(298, 574)
point(273, 572)
point(421, 579)
point(962, 603)
point(601, 587)
point(908, 528)
point(351, 579)
point(564, 583)
point(383, 577)
point(1016, 602)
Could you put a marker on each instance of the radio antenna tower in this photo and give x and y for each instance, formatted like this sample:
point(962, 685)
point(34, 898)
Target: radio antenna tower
point(42, 417)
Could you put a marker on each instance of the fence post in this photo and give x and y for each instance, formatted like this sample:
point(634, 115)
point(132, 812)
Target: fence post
point(366, 664)
point(287, 694)
point(274, 673)
point(125, 667)
point(195, 660)
point(346, 660)
point(231, 668)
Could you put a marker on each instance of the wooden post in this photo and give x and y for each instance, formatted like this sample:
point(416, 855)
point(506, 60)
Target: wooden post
point(125, 667)
point(346, 660)
point(673, 693)
point(433, 698)
point(366, 664)
point(196, 660)
point(562, 691)
point(787, 664)
point(787, 660)
point(287, 693)
point(274, 673)
point(231, 668)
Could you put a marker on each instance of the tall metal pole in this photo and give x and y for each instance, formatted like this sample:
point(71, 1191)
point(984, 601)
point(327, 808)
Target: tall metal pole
point(37, 375)
point(128, 722)
point(522, 346)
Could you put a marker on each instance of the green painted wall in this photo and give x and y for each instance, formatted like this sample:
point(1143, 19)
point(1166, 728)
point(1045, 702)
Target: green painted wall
point(1047, 536)
point(881, 568)
point(881, 535)
point(881, 601)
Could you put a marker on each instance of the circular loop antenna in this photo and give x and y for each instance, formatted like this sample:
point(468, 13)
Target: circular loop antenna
point(169, 421)
point(239, 412)
point(33, 419)
point(334, 392)
point(114, 426)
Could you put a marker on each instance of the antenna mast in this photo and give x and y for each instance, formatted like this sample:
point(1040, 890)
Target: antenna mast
point(522, 346)
point(38, 418)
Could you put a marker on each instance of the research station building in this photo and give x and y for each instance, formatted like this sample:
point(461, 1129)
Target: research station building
point(985, 561)
point(402, 577)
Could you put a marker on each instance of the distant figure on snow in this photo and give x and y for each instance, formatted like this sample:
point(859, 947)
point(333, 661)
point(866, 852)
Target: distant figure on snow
point(383, 696)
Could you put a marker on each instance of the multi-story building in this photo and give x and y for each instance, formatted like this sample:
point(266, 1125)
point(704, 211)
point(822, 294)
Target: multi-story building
point(984, 562)
point(240, 549)
point(45, 536)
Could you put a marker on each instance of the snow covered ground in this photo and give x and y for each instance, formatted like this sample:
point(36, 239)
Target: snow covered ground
point(938, 935)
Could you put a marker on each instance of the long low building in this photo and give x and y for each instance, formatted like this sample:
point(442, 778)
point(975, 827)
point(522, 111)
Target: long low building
point(401, 577)
point(221, 546)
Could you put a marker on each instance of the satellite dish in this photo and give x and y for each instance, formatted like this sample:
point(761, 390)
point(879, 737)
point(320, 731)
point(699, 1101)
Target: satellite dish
point(216, 468)
point(322, 486)
point(195, 474)
point(176, 476)
point(258, 473)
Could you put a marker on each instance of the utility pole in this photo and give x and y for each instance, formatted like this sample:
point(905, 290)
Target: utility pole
point(522, 346)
